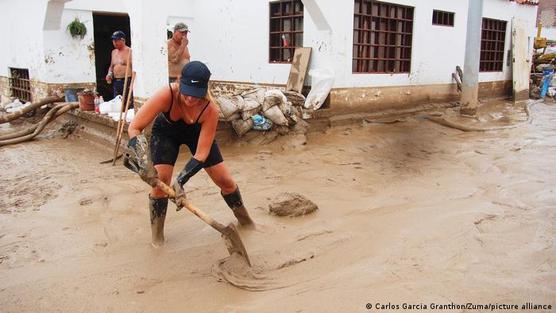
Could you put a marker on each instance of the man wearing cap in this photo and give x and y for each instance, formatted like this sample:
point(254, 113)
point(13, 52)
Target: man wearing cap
point(178, 52)
point(182, 113)
point(121, 55)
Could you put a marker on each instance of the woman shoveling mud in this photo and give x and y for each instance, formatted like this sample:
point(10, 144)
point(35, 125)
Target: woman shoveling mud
point(184, 113)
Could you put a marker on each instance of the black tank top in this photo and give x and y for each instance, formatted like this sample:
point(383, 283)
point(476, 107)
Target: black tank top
point(167, 114)
point(163, 124)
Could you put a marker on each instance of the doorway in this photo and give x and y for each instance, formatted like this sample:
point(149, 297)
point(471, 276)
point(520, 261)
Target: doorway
point(104, 24)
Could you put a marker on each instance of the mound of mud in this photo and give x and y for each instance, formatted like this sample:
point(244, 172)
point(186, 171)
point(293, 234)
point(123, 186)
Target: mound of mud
point(236, 272)
point(291, 204)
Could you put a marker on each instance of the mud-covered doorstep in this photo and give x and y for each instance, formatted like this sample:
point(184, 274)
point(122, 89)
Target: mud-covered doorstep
point(101, 128)
point(344, 106)
point(377, 99)
point(93, 126)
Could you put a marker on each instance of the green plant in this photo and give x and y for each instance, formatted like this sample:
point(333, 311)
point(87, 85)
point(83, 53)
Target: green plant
point(77, 29)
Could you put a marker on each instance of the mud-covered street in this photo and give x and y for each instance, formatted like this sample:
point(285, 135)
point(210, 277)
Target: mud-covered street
point(409, 212)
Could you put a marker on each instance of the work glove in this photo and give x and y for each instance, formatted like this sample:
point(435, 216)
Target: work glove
point(191, 168)
point(137, 159)
point(180, 197)
point(132, 156)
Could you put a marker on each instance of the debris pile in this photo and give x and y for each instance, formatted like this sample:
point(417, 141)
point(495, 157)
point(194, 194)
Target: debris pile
point(542, 82)
point(9, 106)
point(261, 109)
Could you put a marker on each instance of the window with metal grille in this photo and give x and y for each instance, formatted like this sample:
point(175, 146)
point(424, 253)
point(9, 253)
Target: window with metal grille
point(20, 85)
point(493, 38)
point(286, 29)
point(442, 18)
point(382, 35)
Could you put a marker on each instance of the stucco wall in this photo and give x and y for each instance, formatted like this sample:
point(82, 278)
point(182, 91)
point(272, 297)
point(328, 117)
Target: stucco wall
point(68, 59)
point(436, 50)
point(21, 37)
point(504, 10)
point(231, 36)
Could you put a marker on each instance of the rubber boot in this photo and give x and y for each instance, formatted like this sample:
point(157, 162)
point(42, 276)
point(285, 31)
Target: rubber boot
point(157, 208)
point(234, 201)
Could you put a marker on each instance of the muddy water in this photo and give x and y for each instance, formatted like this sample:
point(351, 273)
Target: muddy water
point(408, 212)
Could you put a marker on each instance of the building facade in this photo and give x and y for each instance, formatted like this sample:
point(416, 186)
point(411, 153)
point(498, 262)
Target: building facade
point(384, 54)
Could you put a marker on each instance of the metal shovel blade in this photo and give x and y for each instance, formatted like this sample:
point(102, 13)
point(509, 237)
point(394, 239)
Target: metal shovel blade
point(234, 243)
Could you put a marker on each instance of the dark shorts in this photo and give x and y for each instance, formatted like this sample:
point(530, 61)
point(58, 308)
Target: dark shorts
point(167, 137)
point(118, 84)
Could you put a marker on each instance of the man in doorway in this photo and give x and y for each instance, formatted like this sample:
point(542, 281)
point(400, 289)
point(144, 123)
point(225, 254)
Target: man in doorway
point(121, 55)
point(178, 52)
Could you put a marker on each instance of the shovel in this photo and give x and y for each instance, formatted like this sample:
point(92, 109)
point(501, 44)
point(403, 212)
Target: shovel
point(229, 233)
point(142, 165)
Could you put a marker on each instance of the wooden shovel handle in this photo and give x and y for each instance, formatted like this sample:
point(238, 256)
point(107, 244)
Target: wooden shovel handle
point(188, 205)
point(122, 123)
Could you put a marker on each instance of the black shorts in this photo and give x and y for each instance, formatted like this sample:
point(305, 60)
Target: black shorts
point(167, 137)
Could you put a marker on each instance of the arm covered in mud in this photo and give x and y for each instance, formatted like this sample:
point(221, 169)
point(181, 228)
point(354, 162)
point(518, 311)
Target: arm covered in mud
point(136, 156)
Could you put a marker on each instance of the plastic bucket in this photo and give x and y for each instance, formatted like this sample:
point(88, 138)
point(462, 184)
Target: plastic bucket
point(86, 101)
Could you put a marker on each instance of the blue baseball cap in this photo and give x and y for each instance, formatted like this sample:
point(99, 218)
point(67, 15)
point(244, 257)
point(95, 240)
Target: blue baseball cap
point(194, 79)
point(118, 35)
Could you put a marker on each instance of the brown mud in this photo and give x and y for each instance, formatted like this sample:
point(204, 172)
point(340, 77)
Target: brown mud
point(409, 211)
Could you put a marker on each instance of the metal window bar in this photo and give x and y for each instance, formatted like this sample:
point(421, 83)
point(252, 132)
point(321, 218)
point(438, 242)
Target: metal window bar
point(442, 18)
point(286, 26)
point(493, 37)
point(382, 35)
point(20, 84)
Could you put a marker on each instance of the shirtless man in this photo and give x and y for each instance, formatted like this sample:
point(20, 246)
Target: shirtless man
point(118, 63)
point(178, 52)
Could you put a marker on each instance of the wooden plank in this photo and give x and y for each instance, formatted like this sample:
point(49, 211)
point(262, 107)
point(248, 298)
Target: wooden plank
point(298, 70)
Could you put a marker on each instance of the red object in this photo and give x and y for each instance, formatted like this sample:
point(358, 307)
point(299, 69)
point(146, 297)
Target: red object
point(98, 101)
point(285, 42)
point(86, 101)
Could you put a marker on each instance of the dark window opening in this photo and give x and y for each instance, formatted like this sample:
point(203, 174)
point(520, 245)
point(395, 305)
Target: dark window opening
point(442, 18)
point(20, 85)
point(382, 37)
point(493, 36)
point(286, 30)
point(104, 24)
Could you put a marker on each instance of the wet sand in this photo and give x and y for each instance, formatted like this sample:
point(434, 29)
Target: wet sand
point(410, 211)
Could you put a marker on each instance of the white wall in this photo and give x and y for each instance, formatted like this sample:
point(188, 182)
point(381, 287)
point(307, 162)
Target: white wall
point(109, 6)
point(436, 50)
point(231, 36)
point(433, 60)
point(148, 30)
point(51, 55)
point(72, 60)
point(67, 59)
point(505, 10)
point(233, 40)
point(21, 36)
